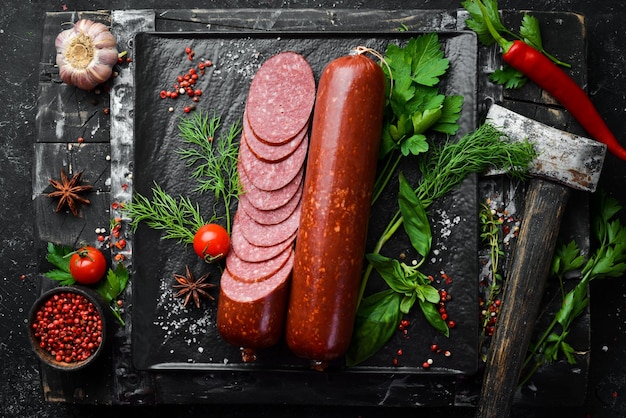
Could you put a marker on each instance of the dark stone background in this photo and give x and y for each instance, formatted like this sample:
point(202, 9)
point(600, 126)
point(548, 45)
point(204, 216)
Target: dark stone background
point(21, 24)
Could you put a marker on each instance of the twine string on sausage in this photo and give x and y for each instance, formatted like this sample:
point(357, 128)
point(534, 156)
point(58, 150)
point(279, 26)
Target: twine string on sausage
point(364, 49)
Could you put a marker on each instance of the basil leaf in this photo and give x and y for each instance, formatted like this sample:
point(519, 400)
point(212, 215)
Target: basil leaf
point(407, 302)
point(415, 219)
point(434, 318)
point(391, 271)
point(430, 293)
point(376, 321)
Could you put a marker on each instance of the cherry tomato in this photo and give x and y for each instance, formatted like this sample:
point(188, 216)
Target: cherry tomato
point(211, 242)
point(88, 265)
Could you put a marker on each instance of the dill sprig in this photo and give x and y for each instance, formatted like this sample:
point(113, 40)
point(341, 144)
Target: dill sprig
point(178, 218)
point(447, 166)
point(212, 157)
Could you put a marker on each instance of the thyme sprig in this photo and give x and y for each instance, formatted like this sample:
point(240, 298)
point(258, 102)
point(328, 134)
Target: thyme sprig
point(213, 158)
point(491, 234)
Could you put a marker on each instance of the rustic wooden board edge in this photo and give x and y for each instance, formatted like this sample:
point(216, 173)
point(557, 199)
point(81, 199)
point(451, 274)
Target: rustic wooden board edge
point(331, 18)
point(130, 386)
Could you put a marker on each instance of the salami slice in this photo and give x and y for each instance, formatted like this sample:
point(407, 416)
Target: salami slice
point(250, 292)
point(253, 253)
point(269, 200)
point(252, 315)
point(271, 176)
point(268, 235)
point(252, 272)
point(274, 216)
point(272, 153)
point(281, 97)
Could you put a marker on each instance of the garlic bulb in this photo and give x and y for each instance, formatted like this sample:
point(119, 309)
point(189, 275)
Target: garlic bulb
point(86, 54)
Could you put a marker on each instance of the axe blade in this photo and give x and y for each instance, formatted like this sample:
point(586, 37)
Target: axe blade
point(572, 160)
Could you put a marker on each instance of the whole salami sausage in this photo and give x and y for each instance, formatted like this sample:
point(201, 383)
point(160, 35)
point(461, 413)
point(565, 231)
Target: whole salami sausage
point(340, 174)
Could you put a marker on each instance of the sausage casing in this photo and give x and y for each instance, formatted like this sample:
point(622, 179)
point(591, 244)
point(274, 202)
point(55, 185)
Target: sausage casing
point(340, 175)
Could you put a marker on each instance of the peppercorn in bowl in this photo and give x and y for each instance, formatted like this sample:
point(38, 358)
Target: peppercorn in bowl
point(67, 326)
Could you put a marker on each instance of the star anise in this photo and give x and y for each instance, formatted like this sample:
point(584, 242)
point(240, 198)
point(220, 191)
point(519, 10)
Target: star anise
point(191, 288)
point(69, 192)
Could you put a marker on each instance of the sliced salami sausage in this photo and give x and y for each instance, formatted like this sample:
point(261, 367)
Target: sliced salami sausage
point(252, 272)
point(253, 253)
point(274, 216)
point(252, 315)
point(269, 200)
point(272, 153)
point(274, 175)
point(268, 235)
point(281, 97)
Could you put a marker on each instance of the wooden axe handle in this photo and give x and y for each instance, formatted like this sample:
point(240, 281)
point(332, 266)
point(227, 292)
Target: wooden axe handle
point(523, 290)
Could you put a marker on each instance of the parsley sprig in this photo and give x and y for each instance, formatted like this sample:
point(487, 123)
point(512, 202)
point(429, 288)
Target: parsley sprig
point(415, 105)
point(529, 32)
point(608, 260)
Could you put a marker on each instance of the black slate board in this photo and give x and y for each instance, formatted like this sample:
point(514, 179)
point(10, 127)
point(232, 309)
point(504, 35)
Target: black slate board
point(166, 336)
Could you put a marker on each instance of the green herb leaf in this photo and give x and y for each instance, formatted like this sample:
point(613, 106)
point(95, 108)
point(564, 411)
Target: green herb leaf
point(415, 144)
point(115, 283)
point(476, 22)
point(112, 287)
point(58, 256)
point(64, 278)
point(213, 155)
point(509, 77)
point(567, 258)
point(434, 318)
point(416, 222)
point(422, 121)
point(430, 63)
point(408, 301)
point(573, 305)
point(391, 271)
point(430, 293)
point(450, 114)
point(530, 32)
point(376, 321)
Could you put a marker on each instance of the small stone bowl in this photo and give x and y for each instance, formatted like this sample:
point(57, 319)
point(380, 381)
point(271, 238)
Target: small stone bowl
point(67, 327)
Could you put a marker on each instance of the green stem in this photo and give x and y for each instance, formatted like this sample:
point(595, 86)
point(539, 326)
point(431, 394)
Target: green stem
point(385, 175)
point(504, 44)
point(391, 229)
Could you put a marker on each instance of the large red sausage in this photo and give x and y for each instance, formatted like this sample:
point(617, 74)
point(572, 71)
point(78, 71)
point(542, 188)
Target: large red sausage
point(340, 174)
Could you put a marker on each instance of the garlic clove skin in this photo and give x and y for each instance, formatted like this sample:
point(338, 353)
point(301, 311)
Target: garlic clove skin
point(86, 54)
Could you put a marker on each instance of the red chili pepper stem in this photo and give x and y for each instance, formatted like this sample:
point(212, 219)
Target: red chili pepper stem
point(504, 44)
point(547, 75)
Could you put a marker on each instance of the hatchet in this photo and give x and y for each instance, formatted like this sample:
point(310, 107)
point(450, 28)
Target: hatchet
point(564, 162)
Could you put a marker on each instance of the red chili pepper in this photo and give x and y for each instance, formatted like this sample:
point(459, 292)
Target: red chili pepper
point(547, 75)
